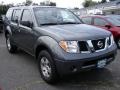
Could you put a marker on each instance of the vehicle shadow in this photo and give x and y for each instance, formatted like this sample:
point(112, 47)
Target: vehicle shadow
point(101, 77)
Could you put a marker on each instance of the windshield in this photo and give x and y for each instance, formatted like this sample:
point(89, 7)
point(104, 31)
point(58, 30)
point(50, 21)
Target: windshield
point(55, 16)
point(114, 20)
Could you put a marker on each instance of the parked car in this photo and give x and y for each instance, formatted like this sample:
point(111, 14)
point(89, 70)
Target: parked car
point(109, 22)
point(1, 24)
point(115, 16)
point(58, 40)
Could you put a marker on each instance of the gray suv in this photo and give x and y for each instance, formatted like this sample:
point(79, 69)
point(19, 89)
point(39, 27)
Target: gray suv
point(58, 39)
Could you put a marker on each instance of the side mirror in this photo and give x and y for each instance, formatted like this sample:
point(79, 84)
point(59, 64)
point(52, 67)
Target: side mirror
point(108, 26)
point(27, 23)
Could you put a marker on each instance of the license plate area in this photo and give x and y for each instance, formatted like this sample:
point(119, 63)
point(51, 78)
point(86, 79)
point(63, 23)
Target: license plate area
point(101, 63)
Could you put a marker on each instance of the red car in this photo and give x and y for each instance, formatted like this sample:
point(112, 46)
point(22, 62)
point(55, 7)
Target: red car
point(110, 23)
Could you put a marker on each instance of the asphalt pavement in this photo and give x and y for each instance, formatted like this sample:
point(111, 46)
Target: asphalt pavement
point(19, 72)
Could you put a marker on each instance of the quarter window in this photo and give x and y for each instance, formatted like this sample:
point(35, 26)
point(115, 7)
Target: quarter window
point(9, 14)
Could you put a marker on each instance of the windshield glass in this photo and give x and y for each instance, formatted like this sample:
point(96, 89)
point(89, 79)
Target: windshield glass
point(55, 16)
point(114, 20)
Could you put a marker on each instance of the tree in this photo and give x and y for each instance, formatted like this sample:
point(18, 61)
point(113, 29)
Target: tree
point(76, 8)
point(47, 3)
point(103, 1)
point(4, 8)
point(112, 0)
point(88, 3)
point(52, 4)
point(28, 2)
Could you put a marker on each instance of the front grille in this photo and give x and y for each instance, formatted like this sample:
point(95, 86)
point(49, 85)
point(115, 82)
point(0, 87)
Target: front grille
point(83, 46)
point(92, 45)
point(98, 44)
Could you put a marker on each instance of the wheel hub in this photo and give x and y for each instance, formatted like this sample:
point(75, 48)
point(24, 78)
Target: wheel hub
point(45, 67)
point(8, 43)
point(119, 42)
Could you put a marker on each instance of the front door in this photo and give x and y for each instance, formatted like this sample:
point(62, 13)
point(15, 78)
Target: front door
point(26, 39)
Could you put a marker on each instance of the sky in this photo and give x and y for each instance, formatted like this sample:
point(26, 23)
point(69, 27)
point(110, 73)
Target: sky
point(60, 3)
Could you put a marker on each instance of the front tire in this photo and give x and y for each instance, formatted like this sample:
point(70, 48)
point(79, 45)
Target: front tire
point(47, 67)
point(118, 43)
point(11, 48)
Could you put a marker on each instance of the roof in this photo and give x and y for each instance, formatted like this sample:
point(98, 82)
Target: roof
point(32, 7)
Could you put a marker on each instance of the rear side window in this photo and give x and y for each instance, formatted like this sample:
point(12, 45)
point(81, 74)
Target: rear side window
point(16, 15)
point(100, 22)
point(9, 14)
point(87, 20)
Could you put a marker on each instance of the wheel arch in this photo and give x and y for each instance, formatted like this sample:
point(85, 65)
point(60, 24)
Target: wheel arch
point(8, 31)
point(41, 47)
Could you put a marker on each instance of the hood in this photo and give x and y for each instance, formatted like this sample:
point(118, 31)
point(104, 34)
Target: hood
point(75, 32)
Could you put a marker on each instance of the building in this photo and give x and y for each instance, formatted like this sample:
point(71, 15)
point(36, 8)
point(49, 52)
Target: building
point(112, 7)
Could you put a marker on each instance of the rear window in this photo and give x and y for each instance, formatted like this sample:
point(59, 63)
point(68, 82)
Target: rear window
point(87, 20)
point(9, 14)
point(16, 15)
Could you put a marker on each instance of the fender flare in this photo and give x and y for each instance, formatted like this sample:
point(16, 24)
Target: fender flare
point(51, 44)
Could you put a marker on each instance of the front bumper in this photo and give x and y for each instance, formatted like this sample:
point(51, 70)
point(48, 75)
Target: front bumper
point(74, 66)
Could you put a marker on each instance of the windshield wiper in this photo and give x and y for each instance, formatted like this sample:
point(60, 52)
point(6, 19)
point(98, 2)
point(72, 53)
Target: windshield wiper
point(49, 24)
point(60, 23)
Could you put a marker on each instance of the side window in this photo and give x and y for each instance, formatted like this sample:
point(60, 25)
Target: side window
point(100, 22)
point(26, 17)
point(9, 14)
point(16, 15)
point(87, 20)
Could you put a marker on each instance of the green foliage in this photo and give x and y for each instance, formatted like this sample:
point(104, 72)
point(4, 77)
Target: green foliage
point(28, 2)
point(48, 4)
point(112, 0)
point(88, 3)
point(52, 4)
point(3, 9)
point(103, 1)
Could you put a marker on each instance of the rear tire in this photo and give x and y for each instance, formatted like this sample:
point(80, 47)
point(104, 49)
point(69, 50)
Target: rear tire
point(11, 48)
point(47, 67)
point(1, 29)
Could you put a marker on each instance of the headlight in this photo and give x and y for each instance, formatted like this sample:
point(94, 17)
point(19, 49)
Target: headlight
point(69, 46)
point(112, 39)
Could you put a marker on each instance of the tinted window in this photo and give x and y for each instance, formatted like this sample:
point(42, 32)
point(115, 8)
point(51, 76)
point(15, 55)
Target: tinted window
point(47, 16)
point(26, 16)
point(9, 14)
point(87, 20)
point(100, 22)
point(16, 15)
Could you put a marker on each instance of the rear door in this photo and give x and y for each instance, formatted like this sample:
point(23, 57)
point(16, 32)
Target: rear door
point(14, 24)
